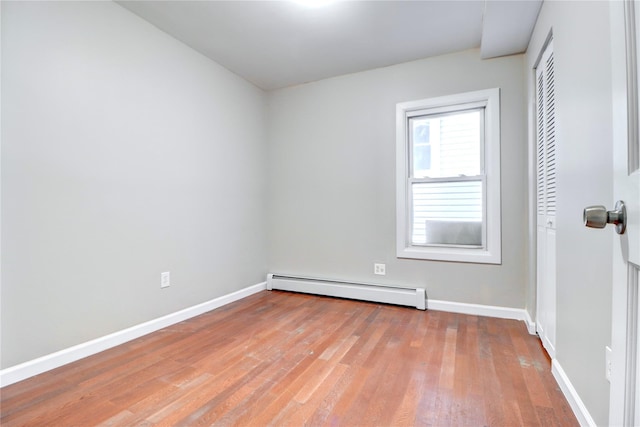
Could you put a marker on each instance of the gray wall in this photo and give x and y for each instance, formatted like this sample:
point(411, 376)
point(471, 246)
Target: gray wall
point(124, 154)
point(584, 264)
point(332, 178)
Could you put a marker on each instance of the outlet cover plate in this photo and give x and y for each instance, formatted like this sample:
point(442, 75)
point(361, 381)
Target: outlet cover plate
point(165, 279)
point(379, 269)
point(607, 358)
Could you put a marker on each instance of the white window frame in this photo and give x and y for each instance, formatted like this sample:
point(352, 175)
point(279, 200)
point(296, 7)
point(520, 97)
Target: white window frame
point(491, 253)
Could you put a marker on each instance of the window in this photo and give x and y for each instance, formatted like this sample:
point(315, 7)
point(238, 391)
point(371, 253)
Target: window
point(448, 178)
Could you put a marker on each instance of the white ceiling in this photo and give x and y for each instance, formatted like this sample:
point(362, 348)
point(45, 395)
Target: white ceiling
point(275, 44)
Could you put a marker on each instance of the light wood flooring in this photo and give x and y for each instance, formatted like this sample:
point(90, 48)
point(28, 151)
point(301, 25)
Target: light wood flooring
point(279, 358)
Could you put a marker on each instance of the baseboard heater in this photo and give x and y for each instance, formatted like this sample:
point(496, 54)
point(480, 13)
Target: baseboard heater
point(412, 297)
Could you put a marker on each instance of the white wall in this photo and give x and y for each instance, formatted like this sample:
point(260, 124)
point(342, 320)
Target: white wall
point(332, 178)
point(124, 154)
point(584, 132)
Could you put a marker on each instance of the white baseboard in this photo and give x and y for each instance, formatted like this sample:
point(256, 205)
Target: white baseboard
point(483, 310)
point(531, 325)
point(54, 360)
point(578, 407)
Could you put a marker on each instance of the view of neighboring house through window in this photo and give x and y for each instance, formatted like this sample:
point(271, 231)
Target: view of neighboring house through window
point(448, 178)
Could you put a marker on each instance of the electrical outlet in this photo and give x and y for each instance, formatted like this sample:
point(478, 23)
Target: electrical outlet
point(379, 269)
point(607, 358)
point(165, 279)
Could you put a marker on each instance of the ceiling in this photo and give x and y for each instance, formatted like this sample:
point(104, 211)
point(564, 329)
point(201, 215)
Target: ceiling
point(275, 44)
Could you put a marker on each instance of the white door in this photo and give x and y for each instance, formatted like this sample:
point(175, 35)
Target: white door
point(546, 200)
point(625, 381)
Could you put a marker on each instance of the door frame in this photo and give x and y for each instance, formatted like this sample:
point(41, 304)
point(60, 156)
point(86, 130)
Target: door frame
point(624, 321)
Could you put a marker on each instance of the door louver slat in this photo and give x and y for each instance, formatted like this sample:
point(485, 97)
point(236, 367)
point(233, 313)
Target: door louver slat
point(550, 137)
point(546, 177)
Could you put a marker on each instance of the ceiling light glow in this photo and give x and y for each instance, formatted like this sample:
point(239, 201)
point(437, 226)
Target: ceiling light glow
point(314, 3)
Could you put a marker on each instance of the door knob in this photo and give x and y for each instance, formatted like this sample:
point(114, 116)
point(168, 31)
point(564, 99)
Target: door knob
point(599, 217)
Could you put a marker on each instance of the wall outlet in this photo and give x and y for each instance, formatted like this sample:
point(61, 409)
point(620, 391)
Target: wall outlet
point(379, 269)
point(607, 358)
point(165, 279)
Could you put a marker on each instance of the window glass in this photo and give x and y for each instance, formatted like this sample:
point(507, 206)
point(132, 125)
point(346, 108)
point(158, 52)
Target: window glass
point(446, 145)
point(420, 130)
point(447, 213)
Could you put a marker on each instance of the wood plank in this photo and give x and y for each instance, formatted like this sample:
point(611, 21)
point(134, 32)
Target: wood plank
point(433, 348)
point(278, 358)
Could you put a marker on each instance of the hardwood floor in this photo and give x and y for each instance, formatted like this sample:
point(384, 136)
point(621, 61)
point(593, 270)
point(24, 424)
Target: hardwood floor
point(279, 358)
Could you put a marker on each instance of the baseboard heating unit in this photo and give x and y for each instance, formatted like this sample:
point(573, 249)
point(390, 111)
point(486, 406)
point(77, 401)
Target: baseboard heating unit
point(389, 294)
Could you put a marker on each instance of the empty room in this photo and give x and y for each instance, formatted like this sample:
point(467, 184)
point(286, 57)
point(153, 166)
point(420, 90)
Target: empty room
point(353, 213)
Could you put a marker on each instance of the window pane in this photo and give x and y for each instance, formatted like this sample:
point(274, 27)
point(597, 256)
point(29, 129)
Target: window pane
point(422, 157)
point(421, 139)
point(447, 145)
point(447, 213)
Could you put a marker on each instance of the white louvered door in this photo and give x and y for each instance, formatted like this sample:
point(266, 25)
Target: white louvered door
point(546, 201)
point(624, 403)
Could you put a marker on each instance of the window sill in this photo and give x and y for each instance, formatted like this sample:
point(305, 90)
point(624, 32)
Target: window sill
point(480, 256)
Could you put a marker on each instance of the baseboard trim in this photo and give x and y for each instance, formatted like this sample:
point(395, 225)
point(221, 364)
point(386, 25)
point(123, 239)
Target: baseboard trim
point(531, 325)
point(481, 310)
point(578, 407)
point(51, 361)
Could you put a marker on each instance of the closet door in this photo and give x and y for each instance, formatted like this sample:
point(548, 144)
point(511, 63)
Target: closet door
point(546, 201)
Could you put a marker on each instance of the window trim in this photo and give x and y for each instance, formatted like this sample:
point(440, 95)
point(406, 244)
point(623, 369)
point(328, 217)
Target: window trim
point(492, 252)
